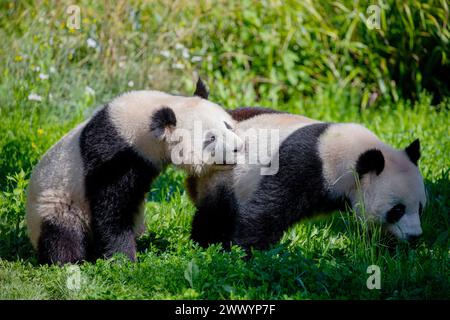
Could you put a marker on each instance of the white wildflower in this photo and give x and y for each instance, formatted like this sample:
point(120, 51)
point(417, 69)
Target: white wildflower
point(178, 66)
point(165, 53)
point(179, 46)
point(131, 84)
point(91, 43)
point(88, 90)
point(196, 59)
point(43, 76)
point(34, 97)
point(185, 53)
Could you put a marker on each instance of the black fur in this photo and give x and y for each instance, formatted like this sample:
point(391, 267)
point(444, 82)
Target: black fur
point(116, 180)
point(62, 243)
point(201, 90)
point(395, 213)
point(162, 119)
point(369, 161)
point(245, 113)
point(215, 218)
point(413, 151)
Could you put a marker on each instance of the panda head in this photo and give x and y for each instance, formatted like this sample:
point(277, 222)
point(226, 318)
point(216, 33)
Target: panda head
point(199, 134)
point(393, 189)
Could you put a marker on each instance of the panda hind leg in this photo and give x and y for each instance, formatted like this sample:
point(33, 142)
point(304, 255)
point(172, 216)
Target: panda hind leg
point(63, 241)
point(60, 244)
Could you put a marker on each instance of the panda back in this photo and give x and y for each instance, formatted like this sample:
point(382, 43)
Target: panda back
point(247, 176)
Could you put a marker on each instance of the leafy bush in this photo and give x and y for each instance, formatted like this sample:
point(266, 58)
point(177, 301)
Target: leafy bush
point(250, 49)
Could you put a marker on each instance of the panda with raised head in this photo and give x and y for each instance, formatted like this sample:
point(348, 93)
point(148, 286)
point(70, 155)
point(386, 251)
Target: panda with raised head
point(320, 165)
point(86, 196)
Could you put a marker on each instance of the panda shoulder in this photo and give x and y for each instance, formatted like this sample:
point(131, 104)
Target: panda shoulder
point(348, 129)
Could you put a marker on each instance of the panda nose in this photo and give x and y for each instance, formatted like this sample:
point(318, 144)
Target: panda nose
point(413, 238)
point(238, 147)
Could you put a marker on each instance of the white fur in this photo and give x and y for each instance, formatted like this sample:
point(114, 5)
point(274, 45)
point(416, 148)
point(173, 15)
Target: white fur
point(56, 186)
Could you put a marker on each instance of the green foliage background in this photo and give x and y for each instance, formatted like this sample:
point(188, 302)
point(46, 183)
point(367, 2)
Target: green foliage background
point(316, 58)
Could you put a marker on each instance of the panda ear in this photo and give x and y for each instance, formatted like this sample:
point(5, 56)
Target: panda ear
point(370, 161)
point(163, 122)
point(201, 90)
point(413, 151)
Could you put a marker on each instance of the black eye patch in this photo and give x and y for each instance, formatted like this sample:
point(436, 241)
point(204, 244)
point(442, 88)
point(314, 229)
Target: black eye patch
point(206, 143)
point(396, 213)
point(209, 139)
point(227, 126)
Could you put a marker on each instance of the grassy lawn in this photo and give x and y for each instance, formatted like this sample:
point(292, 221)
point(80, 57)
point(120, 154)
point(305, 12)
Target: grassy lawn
point(53, 77)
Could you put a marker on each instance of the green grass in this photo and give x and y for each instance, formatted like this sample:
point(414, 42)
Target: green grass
point(251, 55)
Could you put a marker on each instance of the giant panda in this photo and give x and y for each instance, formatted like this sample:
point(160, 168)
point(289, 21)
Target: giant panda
point(322, 167)
point(86, 195)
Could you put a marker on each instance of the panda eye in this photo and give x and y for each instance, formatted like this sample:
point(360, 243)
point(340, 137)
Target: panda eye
point(396, 213)
point(208, 141)
point(227, 126)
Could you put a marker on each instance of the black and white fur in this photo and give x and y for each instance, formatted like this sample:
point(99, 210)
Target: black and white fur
point(319, 164)
point(86, 196)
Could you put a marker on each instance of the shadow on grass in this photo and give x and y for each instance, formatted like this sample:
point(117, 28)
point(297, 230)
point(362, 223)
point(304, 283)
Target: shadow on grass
point(16, 248)
point(150, 240)
point(20, 249)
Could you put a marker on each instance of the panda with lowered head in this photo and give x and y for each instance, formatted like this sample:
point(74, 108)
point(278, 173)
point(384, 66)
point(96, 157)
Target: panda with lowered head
point(86, 196)
point(321, 167)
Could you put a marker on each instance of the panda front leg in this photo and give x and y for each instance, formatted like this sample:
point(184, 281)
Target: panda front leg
point(116, 203)
point(260, 224)
point(108, 242)
point(113, 230)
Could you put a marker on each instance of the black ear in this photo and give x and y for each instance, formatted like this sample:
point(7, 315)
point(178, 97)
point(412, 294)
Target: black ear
point(162, 120)
point(371, 160)
point(201, 90)
point(413, 151)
